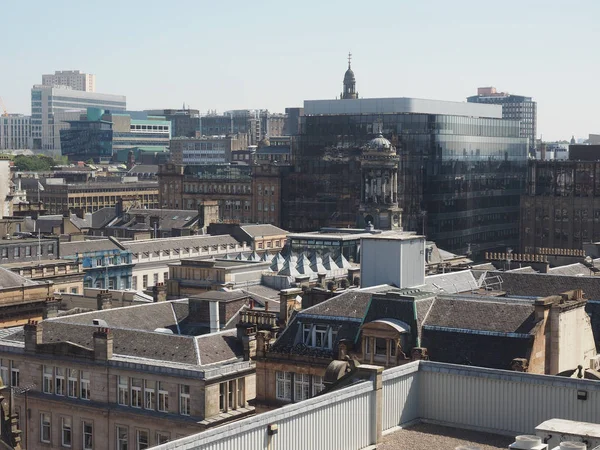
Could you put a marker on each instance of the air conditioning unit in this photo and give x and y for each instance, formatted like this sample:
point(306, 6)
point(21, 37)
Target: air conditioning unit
point(528, 442)
point(595, 363)
point(557, 432)
point(571, 445)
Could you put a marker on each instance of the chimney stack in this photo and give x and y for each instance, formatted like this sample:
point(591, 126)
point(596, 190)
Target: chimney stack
point(159, 292)
point(215, 324)
point(103, 344)
point(103, 300)
point(51, 308)
point(33, 335)
point(287, 303)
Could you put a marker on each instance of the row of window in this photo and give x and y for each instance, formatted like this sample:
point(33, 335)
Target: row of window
point(151, 395)
point(305, 386)
point(266, 207)
point(318, 336)
point(66, 431)
point(22, 251)
point(134, 280)
point(73, 383)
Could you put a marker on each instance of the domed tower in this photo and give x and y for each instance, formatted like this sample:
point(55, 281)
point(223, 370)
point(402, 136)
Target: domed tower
point(379, 186)
point(349, 91)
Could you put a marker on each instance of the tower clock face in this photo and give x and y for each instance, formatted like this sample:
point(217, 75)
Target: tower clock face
point(395, 219)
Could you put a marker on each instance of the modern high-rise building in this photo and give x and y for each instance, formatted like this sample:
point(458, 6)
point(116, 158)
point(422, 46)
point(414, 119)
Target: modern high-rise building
point(15, 132)
point(514, 107)
point(52, 107)
point(73, 78)
point(461, 169)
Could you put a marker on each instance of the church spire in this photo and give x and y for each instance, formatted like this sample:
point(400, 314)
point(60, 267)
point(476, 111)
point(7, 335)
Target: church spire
point(349, 91)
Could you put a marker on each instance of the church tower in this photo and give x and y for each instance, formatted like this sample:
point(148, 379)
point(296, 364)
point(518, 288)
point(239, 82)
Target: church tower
point(349, 91)
point(379, 186)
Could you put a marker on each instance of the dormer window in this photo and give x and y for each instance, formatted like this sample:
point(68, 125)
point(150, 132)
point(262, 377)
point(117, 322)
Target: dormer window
point(318, 336)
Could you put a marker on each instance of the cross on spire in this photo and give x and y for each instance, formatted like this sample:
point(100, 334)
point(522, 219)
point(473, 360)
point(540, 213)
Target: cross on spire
point(349, 58)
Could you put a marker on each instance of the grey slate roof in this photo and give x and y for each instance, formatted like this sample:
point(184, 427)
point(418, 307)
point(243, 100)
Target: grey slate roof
point(576, 269)
point(9, 279)
point(263, 291)
point(72, 248)
point(102, 217)
point(543, 285)
point(234, 294)
point(497, 315)
point(178, 242)
point(219, 347)
point(452, 282)
point(352, 303)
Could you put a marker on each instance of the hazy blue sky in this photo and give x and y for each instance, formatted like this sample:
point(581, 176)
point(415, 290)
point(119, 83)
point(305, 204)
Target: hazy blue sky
point(271, 54)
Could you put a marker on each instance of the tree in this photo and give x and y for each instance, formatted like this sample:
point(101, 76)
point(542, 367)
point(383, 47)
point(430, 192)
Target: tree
point(35, 163)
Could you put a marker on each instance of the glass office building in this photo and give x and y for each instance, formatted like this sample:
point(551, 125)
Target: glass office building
point(462, 169)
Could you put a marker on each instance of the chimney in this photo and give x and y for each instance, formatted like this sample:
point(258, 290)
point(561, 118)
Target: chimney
point(541, 307)
point(51, 308)
point(287, 303)
point(33, 335)
point(262, 339)
point(103, 300)
point(103, 344)
point(215, 325)
point(159, 292)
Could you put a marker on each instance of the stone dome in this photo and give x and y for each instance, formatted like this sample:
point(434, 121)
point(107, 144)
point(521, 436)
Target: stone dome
point(349, 76)
point(381, 144)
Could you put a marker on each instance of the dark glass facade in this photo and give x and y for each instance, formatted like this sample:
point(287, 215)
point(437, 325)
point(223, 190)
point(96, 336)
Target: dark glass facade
point(87, 140)
point(460, 178)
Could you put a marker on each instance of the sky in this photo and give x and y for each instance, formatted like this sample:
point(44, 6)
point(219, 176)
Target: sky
point(264, 54)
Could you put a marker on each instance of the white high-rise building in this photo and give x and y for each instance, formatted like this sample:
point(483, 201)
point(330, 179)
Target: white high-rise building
point(52, 106)
point(15, 132)
point(73, 78)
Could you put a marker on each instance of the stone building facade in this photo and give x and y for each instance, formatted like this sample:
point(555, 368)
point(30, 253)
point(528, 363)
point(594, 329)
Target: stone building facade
point(246, 194)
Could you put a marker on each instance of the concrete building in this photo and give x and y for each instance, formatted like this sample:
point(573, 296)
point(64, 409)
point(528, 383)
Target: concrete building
point(206, 149)
point(129, 384)
point(514, 107)
point(75, 79)
point(28, 250)
point(185, 122)
point(49, 102)
point(245, 194)
point(15, 132)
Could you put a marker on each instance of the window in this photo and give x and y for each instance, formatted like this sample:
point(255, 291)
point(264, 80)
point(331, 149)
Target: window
point(14, 375)
point(72, 381)
point(136, 392)
point(17, 252)
point(59, 381)
point(301, 386)
point(184, 399)
point(320, 337)
point(162, 437)
point(144, 281)
point(98, 262)
point(284, 385)
point(28, 250)
point(240, 393)
point(222, 393)
point(134, 283)
point(50, 248)
point(155, 279)
point(48, 384)
point(260, 245)
point(142, 438)
point(163, 397)
point(166, 276)
point(4, 252)
point(231, 395)
point(318, 384)
point(88, 435)
point(149, 394)
point(123, 391)
point(122, 438)
point(45, 427)
point(66, 432)
point(380, 346)
point(85, 385)
point(4, 370)
point(74, 290)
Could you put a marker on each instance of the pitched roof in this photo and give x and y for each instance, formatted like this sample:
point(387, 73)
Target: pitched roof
point(178, 242)
point(97, 245)
point(452, 282)
point(497, 315)
point(351, 303)
point(261, 230)
point(9, 279)
point(576, 269)
point(544, 285)
point(103, 216)
point(219, 347)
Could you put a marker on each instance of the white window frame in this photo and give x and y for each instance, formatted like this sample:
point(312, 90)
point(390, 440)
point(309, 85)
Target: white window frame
point(66, 430)
point(150, 395)
point(73, 383)
point(59, 381)
point(136, 393)
point(84, 385)
point(163, 397)
point(48, 382)
point(184, 400)
point(122, 390)
point(139, 444)
point(85, 434)
point(301, 386)
point(317, 384)
point(14, 375)
point(162, 437)
point(122, 440)
point(5, 371)
point(283, 385)
point(45, 425)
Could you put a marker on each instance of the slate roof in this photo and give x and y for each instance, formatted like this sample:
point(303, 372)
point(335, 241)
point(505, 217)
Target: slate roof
point(168, 218)
point(178, 242)
point(352, 303)
point(576, 269)
point(222, 296)
point(9, 279)
point(263, 291)
point(262, 230)
point(482, 315)
point(219, 347)
point(97, 245)
point(103, 216)
point(144, 168)
point(544, 285)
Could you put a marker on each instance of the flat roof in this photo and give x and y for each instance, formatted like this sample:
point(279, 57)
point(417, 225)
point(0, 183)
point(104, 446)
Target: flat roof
point(401, 105)
point(425, 436)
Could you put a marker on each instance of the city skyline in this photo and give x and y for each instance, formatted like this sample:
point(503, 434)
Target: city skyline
point(264, 56)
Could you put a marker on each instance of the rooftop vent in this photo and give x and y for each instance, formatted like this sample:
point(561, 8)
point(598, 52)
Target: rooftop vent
point(163, 330)
point(467, 447)
point(528, 442)
point(571, 445)
point(100, 322)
